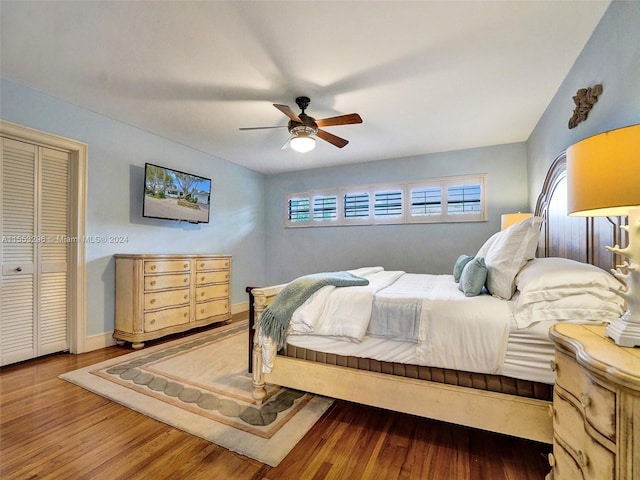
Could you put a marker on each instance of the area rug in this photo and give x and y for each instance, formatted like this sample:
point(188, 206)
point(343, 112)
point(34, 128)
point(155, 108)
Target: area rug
point(199, 384)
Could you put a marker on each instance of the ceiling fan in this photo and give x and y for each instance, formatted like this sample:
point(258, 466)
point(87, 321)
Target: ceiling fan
point(302, 127)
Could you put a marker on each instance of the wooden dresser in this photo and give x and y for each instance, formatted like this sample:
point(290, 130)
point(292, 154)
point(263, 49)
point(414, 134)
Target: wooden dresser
point(161, 294)
point(596, 406)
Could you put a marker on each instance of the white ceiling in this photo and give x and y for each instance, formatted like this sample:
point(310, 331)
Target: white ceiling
point(426, 76)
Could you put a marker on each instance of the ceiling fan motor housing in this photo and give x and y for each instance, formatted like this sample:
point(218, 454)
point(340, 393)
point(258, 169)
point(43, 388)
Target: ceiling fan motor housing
point(308, 125)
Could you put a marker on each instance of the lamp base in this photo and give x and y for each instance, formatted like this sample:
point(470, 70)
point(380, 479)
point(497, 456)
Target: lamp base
point(625, 334)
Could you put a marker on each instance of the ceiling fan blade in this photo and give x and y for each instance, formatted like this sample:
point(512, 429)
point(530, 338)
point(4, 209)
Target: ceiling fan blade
point(288, 112)
point(348, 119)
point(260, 128)
point(331, 138)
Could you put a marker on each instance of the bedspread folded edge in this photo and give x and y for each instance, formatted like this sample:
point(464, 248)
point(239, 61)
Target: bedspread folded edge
point(275, 318)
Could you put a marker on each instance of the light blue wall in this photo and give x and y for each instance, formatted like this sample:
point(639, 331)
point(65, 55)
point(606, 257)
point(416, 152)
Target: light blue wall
point(610, 57)
point(516, 172)
point(417, 248)
point(117, 154)
point(248, 209)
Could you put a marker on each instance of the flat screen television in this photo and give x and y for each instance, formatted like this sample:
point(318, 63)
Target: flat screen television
point(174, 195)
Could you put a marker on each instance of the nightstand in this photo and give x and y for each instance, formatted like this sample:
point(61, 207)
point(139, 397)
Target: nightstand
point(596, 406)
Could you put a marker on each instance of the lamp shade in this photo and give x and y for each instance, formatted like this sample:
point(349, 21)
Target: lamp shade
point(303, 143)
point(509, 219)
point(603, 174)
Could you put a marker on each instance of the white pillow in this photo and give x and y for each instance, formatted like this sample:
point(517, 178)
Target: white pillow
point(578, 308)
point(484, 249)
point(508, 253)
point(553, 278)
point(365, 271)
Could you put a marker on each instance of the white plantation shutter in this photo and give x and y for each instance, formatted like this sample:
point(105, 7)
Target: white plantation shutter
point(33, 286)
point(460, 198)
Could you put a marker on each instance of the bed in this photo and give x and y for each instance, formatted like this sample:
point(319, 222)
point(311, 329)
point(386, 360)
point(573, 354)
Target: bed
point(400, 359)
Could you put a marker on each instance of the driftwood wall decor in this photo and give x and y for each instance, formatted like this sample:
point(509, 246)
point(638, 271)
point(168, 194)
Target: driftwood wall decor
point(584, 100)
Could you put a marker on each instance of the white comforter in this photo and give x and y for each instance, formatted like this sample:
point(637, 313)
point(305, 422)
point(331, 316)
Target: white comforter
point(342, 312)
point(461, 333)
point(458, 332)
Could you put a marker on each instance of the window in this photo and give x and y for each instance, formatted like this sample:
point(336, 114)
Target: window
point(388, 204)
point(463, 200)
point(448, 199)
point(445, 199)
point(356, 205)
point(426, 201)
point(325, 207)
point(298, 209)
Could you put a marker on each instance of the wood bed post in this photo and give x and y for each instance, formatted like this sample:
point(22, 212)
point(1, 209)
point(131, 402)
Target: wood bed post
point(262, 297)
point(259, 391)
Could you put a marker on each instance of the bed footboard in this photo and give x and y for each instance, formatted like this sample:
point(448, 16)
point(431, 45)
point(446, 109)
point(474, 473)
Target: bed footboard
point(497, 412)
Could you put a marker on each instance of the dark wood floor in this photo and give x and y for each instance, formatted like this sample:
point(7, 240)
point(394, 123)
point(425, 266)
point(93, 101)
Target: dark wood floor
point(50, 428)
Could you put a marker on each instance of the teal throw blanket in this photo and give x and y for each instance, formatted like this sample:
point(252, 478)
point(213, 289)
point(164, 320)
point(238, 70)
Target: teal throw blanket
point(275, 318)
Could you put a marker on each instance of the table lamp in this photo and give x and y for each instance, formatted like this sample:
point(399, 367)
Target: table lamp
point(603, 179)
point(508, 219)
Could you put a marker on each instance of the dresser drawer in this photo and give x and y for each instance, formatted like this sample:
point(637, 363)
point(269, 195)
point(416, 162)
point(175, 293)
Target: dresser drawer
point(165, 318)
point(563, 465)
point(159, 282)
point(162, 266)
point(211, 291)
point(212, 264)
point(209, 309)
point(598, 402)
point(220, 276)
point(595, 461)
point(166, 299)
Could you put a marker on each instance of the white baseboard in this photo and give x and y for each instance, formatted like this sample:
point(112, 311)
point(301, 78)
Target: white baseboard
point(103, 340)
point(98, 341)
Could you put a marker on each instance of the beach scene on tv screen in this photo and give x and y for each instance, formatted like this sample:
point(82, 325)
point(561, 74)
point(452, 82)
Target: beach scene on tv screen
point(176, 195)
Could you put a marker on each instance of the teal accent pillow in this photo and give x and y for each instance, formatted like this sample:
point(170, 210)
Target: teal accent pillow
point(473, 278)
point(459, 266)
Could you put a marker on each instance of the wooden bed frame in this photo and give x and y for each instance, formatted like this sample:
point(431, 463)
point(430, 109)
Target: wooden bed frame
point(561, 236)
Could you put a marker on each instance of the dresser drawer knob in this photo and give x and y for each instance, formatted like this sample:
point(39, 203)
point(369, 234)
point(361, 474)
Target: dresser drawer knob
point(185, 315)
point(202, 279)
point(202, 265)
point(153, 300)
point(585, 401)
point(553, 365)
point(186, 296)
point(202, 310)
point(186, 280)
point(153, 282)
point(186, 265)
point(153, 321)
point(202, 294)
point(582, 457)
point(551, 411)
point(552, 460)
point(153, 267)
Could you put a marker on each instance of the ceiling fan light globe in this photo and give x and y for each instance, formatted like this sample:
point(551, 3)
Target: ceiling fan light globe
point(303, 143)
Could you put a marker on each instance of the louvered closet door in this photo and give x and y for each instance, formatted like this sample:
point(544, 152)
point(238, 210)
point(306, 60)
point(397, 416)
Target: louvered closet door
point(53, 334)
point(17, 297)
point(34, 283)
